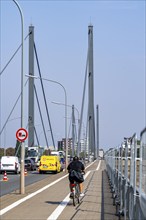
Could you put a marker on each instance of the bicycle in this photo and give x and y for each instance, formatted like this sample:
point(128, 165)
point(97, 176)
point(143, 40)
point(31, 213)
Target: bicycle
point(75, 193)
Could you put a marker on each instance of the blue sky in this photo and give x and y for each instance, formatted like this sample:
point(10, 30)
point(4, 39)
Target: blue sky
point(61, 38)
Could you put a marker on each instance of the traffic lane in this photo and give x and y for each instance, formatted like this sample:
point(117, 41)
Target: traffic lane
point(10, 185)
point(13, 182)
point(43, 204)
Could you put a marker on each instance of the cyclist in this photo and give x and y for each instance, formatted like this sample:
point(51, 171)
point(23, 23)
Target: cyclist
point(78, 166)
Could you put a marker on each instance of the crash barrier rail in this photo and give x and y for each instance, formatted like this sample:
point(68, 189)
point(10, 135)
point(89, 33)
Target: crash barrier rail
point(126, 169)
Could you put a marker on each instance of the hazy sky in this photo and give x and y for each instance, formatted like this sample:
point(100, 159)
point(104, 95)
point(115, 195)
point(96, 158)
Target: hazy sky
point(61, 38)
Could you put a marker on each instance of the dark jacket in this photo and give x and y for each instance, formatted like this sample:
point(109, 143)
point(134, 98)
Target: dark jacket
point(76, 165)
point(75, 169)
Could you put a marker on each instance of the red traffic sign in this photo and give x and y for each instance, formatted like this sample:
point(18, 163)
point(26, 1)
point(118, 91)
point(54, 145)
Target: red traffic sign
point(21, 134)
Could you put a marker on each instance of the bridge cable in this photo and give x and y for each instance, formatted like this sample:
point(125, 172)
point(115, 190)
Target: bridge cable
point(12, 110)
point(13, 55)
point(83, 100)
point(44, 94)
point(40, 114)
point(36, 136)
point(1, 75)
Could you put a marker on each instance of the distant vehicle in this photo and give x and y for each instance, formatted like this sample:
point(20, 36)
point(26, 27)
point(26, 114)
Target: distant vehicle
point(61, 153)
point(10, 164)
point(101, 154)
point(50, 163)
point(86, 158)
point(29, 164)
point(55, 153)
point(35, 153)
point(91, 158)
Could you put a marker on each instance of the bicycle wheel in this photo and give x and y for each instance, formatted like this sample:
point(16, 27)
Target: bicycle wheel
point(78, 199)
point(74, 200)
point(77, 194)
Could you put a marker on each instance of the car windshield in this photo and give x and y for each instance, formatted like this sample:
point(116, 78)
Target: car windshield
point(32, 153)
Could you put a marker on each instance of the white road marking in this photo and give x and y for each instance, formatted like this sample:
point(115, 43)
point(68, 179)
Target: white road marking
point(98, 165)
point(8, 208)
point(64, 203)
point(59, 209)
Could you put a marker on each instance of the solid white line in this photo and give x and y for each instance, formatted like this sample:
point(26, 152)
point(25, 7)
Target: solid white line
point(59, 209)
point(62, 205)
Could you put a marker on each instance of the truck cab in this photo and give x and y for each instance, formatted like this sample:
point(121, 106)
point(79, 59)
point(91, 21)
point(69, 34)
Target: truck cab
point(35, 153)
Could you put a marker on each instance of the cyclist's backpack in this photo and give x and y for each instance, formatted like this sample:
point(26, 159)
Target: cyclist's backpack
point(76, 176)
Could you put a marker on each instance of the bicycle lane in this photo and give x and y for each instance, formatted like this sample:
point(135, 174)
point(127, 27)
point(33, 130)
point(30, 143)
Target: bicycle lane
point(66, 202)
point(41, 205)
point(87, 209)
point(97, 204)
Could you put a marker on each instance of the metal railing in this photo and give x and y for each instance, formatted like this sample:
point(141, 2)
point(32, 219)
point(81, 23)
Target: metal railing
point(126, 168)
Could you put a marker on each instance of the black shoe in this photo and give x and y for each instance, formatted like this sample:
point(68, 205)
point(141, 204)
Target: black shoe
point(71, 195)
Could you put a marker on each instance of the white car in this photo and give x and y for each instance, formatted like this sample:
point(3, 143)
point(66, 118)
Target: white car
point(10, 164)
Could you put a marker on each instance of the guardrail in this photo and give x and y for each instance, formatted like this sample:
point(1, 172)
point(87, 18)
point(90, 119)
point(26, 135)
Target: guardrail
point(126, 168)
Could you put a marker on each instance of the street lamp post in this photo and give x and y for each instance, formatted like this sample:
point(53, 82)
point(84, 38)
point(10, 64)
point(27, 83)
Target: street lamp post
point(22, 189)
point(53, 81)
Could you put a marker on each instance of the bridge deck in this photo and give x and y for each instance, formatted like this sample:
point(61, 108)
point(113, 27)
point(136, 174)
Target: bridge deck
point(96, 204)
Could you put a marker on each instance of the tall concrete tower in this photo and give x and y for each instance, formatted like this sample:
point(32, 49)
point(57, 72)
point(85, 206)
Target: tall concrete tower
point(91, 118)
point(31, 89)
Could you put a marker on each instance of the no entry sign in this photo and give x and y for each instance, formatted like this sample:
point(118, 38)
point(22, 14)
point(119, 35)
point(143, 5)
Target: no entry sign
point(21, 134)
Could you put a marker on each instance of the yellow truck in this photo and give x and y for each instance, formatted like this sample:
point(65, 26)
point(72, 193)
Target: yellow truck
point(50, 164)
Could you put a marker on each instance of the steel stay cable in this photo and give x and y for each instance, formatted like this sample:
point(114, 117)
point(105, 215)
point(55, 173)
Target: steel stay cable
point(44, 93)
point(12, 110)
point(13, 55)
point(39, 108)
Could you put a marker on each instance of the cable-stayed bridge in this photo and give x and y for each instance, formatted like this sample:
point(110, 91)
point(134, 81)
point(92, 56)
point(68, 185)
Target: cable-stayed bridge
point(125, 164)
